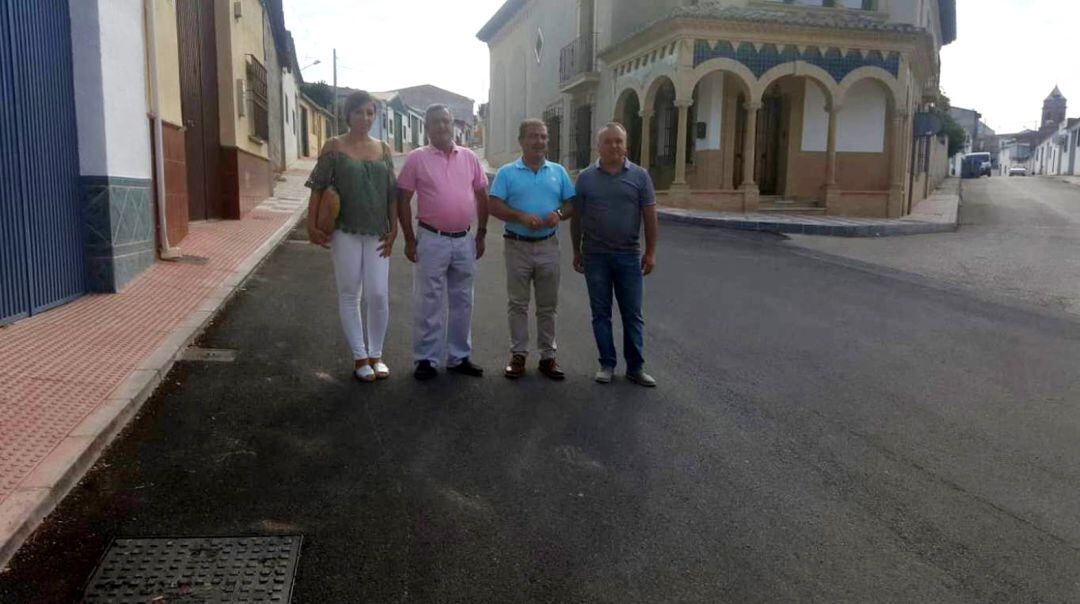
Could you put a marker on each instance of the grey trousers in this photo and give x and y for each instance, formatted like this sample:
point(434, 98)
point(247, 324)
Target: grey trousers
point(443, 298)
point(532, 265)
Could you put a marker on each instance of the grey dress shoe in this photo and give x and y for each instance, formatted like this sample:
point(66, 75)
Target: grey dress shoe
point(603, 376)
point(642, 379)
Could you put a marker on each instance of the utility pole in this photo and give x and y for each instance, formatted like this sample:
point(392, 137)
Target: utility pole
point(334, 106)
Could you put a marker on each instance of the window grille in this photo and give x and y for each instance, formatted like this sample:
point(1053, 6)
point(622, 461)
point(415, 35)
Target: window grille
point(257, 93)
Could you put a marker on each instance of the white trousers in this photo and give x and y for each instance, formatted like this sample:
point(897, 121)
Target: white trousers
point(362, 275)
point(442, 290)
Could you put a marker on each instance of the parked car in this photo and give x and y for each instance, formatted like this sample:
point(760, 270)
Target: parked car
point(1018, 171)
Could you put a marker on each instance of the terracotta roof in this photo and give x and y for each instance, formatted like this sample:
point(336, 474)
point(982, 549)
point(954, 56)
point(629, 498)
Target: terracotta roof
point(809, 18)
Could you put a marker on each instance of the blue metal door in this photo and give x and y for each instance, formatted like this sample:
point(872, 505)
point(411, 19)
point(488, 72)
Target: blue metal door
point(41, 241)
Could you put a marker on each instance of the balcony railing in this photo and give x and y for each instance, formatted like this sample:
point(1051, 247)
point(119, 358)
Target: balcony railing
point(577, 57)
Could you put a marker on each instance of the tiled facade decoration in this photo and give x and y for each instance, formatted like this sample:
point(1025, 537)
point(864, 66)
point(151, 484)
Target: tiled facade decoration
point(760, 60)
point(118, 218)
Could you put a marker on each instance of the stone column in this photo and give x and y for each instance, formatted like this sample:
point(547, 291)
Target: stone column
point(646, 138)
point(749, 188)
point(831, 190)
point(830, 161)
point(683, 106)
point(898, 163)
point(750, 145)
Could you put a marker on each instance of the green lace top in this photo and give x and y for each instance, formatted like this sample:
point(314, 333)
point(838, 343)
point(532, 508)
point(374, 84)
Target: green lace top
point(366, 188)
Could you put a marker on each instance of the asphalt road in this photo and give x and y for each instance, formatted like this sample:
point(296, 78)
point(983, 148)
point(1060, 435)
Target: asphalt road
point(820, 433)
point(1019, 241)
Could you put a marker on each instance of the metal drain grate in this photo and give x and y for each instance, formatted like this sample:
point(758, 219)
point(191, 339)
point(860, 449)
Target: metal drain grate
point(244, 569)
point(209, 355)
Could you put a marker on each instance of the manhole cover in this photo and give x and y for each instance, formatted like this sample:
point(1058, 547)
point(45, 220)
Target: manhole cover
point(247, 569)
point(209, 355)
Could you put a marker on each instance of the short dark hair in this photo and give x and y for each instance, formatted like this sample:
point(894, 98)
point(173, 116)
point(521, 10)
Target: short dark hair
point(438, 107)
point(357, 100)
point(529, 123)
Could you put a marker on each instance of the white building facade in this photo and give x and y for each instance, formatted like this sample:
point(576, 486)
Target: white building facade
point(731, 104)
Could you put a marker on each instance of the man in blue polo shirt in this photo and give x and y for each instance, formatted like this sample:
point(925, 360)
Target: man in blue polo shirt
point(532, 195)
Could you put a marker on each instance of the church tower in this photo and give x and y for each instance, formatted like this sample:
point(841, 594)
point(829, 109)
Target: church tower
point(1053, 113)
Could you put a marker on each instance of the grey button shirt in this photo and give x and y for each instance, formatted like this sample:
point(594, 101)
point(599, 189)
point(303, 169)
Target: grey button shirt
point(610, 208)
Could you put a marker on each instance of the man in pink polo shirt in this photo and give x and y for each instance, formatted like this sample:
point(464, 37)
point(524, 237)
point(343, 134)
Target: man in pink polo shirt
point(451, 190)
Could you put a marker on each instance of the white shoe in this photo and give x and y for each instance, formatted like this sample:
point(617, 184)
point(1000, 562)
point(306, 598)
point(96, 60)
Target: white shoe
point(603, 376)
point(642, 379)
point(365, 373)
point(381, 370)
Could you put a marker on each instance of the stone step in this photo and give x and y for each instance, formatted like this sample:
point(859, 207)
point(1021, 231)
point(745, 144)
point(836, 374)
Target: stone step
point(778, 208)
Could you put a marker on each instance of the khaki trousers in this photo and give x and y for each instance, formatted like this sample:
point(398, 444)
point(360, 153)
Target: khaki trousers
point(532, 265)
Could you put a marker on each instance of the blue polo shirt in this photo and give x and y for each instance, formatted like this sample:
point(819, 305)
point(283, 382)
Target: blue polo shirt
point(531, 192)
point(610, 206)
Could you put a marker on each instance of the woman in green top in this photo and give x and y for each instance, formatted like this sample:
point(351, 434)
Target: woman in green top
point(360, 168)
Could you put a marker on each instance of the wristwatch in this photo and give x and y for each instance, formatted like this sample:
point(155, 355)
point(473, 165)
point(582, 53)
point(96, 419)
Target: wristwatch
point(559, 212)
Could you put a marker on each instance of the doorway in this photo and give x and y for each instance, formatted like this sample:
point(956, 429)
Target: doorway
point(769, 128)
point(199, 107)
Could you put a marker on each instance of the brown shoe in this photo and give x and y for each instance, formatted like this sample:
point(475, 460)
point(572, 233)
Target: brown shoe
point(551, 369)
point(516, 367)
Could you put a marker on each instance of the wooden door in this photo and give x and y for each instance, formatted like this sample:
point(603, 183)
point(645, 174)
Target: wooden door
point(767, 170)
point(199, 106)
point(740, 140)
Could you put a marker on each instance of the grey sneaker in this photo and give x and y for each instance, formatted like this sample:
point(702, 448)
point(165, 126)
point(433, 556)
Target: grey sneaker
point(604, 375)
point(642, 379)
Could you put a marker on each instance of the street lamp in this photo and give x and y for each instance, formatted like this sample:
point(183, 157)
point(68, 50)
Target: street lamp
point(317, 61)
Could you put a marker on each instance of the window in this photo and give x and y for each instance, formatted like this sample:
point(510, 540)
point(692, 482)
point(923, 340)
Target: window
point(538, 47)
point(257, 93)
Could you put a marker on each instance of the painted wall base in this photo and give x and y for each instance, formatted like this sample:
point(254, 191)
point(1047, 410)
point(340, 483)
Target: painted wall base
point(118, 220)
point(247, 180)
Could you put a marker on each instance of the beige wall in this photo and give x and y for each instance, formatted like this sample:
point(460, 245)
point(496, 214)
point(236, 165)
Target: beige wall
point(236, 39)
point(166, 53)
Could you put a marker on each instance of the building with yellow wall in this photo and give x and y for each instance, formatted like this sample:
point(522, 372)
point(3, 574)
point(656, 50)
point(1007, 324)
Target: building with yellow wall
point(316, 124)
point(243, 92)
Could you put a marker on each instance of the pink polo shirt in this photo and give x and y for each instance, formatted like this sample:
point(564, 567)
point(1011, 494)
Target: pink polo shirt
point(445, 184)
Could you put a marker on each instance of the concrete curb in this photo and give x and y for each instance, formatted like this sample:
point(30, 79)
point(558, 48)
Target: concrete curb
point(43, 489)
point(832, 230)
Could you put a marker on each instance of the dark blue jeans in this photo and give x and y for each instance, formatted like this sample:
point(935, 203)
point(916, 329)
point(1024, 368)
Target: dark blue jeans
point(620, 274)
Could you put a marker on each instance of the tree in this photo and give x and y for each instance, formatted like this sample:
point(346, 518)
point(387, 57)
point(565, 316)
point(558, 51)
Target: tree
point(320, 92)
point(956, 133)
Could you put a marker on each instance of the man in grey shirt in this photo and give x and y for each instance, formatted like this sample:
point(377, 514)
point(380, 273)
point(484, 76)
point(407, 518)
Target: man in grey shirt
point(614, 199)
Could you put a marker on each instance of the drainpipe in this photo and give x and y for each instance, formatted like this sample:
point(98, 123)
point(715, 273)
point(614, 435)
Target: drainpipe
point(167, 252)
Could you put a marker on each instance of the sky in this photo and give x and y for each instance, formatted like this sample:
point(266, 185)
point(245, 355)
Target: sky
point(1008, 56)
point(390, 44)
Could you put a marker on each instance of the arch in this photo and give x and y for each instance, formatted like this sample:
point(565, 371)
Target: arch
point(740, 71)
point(627, 112)
point(891, 84)
point(654, 87)
point(623, 98)
point(797, 69)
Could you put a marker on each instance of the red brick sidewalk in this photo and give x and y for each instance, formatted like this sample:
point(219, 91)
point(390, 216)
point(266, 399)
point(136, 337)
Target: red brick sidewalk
point(71, 377)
